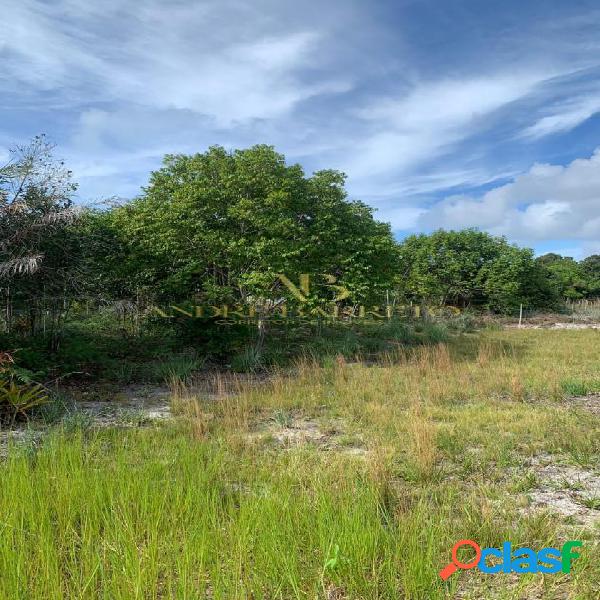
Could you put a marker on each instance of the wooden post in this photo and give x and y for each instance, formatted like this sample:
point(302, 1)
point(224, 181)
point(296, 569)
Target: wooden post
point(520, 316)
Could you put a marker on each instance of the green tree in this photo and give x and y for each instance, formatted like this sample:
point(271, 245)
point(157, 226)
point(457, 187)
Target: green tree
point(38, 245)
point(222, 225)
point(591, 270)
point(514, 278)
point(471, 268)
point(444, 267)
point(567, 275)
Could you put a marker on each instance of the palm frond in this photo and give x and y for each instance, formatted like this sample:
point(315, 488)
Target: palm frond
point(63, 216)
point(23, 265)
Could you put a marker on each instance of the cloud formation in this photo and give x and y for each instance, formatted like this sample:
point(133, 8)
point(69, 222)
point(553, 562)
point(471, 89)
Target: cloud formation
point(432, 117)
point(547, 202)
point(441, 114)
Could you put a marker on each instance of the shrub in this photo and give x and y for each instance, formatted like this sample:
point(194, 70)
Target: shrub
point(247, 361)
point(432, 332)
point(17, 397)
point(16, 400)
point(181, 367)
point(465, 322)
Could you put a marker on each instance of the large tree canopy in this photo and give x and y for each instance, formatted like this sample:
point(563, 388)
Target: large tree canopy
point(471, 268)
point(566, 275)
point(224, 224)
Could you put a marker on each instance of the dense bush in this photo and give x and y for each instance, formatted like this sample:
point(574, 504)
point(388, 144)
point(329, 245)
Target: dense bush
point(573, 280)
point(221, 226)
point(472, 268)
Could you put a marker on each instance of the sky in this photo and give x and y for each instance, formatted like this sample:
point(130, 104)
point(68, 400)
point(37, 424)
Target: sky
point(443, 113)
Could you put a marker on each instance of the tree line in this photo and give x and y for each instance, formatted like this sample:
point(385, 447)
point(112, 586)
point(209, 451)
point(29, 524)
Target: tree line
point(220, 226)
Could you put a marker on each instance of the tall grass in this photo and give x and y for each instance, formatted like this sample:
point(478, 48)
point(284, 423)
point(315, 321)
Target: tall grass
point(149, 514)
point(208, 507)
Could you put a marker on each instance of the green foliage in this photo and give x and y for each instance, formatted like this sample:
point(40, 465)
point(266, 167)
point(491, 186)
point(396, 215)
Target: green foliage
point(514, 278)
point(567, 276)
point(178, 366)
point(249, 360)
point(334, 560)
point(579, 387)
point(464, 322)
point(219, 227)
point(471, 268)
point(105, 259)
point(97, 348)
point(432, 332)
point(39, 245)
point(222, 225)
point(17, 400)
point(591, 271)
point(18, 394)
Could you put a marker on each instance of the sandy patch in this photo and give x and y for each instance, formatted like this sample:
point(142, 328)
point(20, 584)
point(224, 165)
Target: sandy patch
point(591, 403)
point(567, 490)
point(294, 430)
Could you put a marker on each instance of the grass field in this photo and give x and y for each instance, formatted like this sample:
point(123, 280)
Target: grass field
point(345, 481)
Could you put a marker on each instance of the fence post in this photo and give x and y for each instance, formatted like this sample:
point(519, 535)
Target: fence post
point(520, 316)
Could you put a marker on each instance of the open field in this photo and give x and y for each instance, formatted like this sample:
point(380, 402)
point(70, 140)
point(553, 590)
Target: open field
point(346, 481)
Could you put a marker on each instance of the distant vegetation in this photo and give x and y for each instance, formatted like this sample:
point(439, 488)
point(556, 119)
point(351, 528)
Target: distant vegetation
point(571, 279)
point(77, 287)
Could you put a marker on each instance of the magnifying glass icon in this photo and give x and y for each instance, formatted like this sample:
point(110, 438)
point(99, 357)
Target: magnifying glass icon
point(456, 564)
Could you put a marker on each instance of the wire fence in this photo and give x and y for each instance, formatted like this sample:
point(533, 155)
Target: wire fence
point(585, 309)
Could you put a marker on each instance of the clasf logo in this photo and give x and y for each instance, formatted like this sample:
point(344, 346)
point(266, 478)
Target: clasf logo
point(507, 560)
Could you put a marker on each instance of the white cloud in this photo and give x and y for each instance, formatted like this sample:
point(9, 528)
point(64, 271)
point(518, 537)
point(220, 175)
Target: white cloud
point(417, 186)
point(137, 80)
point(564, 117)
point(246, 81)
point(408, 216)
point(182, 56)
point(431, 118)
point(37, 50)
point(440, 112)
point(546, 203)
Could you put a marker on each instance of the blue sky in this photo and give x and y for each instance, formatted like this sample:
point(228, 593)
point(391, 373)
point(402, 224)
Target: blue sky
point(443, 113)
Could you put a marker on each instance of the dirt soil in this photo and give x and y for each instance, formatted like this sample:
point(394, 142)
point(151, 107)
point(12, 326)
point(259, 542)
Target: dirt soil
point(567, 490)
point(293, 430)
